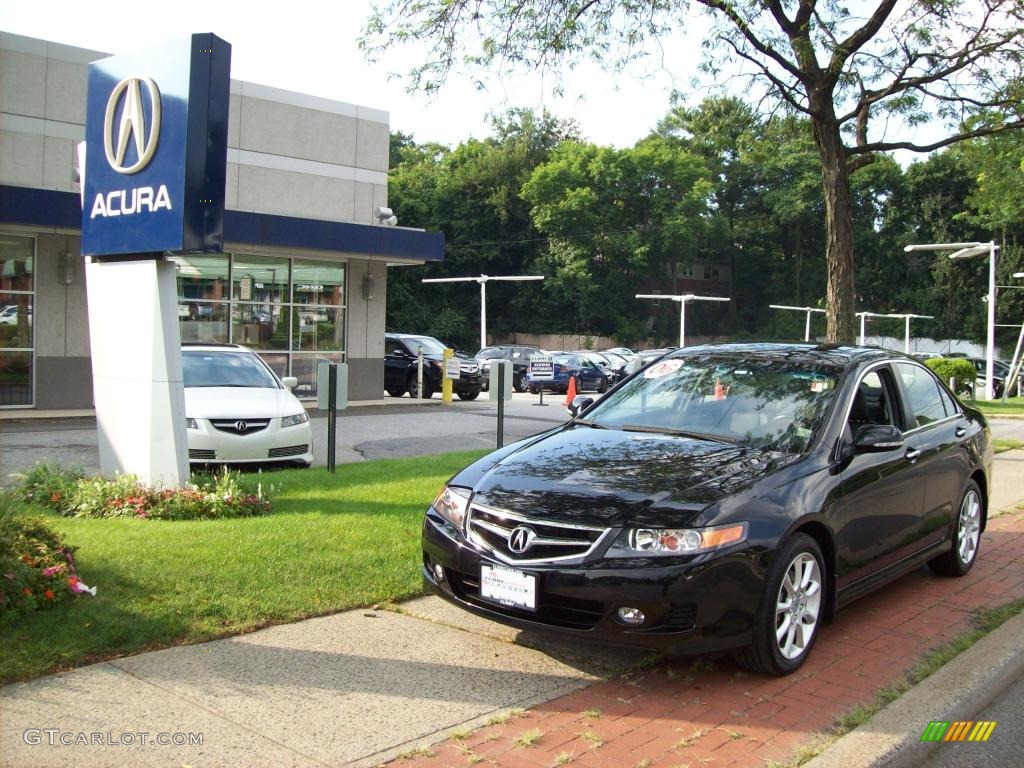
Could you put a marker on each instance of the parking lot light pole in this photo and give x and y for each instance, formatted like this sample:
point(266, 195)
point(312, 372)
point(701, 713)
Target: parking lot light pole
point(808, 310)
point(483, 280)
point(683, 299)
point(966, 251)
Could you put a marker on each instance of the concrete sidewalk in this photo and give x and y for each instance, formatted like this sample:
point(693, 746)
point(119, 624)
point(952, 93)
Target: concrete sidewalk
point(361, 687)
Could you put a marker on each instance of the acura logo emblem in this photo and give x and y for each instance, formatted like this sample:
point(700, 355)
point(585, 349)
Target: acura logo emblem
point(241, 426)
point(520, 539)
point(132, 125)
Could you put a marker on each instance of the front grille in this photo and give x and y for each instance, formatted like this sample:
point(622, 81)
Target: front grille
point(681, 616)
point(240, 426)
point(201, 454)
point(291, 450)
point(557, 610)
point(493, 528)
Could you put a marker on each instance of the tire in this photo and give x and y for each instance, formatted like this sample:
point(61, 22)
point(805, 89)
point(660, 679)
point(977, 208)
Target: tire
point(603, 386)
point(963, 549)
point(468, 395)
point(519, 383)
point(534, 391)
point(804, 601)
point(428, 389)
point(396, 392)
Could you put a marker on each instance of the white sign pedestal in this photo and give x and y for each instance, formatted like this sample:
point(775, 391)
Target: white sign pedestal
point(136, 370)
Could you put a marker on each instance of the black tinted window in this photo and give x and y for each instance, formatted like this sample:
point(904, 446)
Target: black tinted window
point(923, 393)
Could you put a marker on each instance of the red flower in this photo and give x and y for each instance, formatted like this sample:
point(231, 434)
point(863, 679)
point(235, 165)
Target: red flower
point(56, 497)
point(27, 591)
point(48, 594)
point(72, 581)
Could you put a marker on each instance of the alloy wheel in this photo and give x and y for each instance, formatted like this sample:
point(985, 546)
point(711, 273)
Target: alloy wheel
point(969, 530)
point(798, 606)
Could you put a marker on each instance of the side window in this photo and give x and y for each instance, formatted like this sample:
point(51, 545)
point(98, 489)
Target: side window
point(391, 346)
point(874, 402)
point(923, 394)
point(947, 403)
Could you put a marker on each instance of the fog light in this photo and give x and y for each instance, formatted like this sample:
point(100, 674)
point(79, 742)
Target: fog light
point(631, 616)
point(438, 572)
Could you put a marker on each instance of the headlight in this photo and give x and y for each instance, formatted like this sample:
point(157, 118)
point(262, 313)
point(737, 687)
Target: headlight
point(291, 421)
point(676, 541)
point(451, 504)
point(191, 423)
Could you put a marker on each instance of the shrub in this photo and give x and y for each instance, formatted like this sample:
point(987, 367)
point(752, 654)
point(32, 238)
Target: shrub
point(37, 570)
point(956, 368)
point(225, 494)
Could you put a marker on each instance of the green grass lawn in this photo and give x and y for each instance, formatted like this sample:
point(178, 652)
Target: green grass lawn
point(334, 542)
point(1001, 444)
point(1014, 406)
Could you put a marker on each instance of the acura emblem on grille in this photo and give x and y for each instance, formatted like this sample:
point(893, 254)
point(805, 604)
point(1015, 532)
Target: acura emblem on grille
point(520, 539)
point(241, 426)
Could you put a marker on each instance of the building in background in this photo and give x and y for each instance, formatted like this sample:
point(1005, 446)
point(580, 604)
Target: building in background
point(303, 275)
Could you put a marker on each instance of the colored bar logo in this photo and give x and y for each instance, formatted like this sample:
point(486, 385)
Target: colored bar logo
point(958, 730)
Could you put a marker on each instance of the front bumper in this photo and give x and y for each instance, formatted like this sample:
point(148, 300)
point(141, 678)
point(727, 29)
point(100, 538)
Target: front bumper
point(207, 444)
point(690, 609)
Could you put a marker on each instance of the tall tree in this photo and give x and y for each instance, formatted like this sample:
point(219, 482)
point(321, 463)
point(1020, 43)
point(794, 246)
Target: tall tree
point(847, 68)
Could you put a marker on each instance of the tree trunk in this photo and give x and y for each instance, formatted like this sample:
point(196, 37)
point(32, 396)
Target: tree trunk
point(835, 179)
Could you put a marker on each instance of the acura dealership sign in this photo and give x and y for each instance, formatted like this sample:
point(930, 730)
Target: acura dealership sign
point(156, 150)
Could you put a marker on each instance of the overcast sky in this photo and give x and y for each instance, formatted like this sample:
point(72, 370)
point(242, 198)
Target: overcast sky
point(310, 46)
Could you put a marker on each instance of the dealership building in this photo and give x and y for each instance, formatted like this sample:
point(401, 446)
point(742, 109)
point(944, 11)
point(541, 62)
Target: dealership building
point(303, 273)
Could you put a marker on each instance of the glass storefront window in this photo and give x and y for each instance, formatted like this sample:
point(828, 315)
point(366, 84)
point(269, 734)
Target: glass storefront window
point(292, 311)
point(260, 326)
point(17, 263)
point(204, 321)
point(201, 276)
point(260, 279)
point(319, 329)
point(319, 282)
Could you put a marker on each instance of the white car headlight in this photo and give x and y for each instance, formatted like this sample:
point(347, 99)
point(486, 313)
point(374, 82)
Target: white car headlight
point(452, 504)
point(191, 423)
point(676, 541)
point(291, 421)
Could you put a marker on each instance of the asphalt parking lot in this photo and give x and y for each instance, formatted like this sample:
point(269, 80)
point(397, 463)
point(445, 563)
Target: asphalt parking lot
point(388, 428)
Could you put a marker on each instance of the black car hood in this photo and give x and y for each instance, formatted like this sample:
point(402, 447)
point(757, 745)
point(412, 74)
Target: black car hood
point(613, 478)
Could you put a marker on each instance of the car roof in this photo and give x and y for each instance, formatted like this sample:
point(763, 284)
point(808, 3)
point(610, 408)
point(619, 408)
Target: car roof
point(840, 355)
point(213, 346)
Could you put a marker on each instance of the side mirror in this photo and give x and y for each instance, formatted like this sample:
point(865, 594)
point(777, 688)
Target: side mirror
point(875, 438)
point(579, 404)
point(290, 382)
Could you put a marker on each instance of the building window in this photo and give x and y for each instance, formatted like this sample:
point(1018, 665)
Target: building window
point(291, 311)
point(17, 295)
point(711, 273)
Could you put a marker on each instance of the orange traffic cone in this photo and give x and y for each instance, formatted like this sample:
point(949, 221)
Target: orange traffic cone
point(570, 393)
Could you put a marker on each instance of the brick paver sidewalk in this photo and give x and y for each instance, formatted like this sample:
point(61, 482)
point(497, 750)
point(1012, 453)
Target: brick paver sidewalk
point(699, 713)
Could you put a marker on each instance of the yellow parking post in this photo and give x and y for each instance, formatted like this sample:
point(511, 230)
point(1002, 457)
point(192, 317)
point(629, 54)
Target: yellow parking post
point(446, 383)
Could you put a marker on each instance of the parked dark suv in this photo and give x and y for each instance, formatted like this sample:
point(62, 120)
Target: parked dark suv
point(400, 364)
point(518, 354)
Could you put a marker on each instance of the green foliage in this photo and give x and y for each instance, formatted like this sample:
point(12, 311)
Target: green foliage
point(69, 493)
point(37, 569)
point(956, 368)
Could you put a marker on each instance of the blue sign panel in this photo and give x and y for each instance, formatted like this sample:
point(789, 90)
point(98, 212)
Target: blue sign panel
point(156, 150)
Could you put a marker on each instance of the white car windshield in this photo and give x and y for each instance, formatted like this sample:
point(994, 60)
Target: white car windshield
point(763, 402)
point(431, 346)
point(210, 368)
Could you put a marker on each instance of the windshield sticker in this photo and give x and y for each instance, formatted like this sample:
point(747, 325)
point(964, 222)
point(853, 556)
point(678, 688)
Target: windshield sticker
point(664, 368)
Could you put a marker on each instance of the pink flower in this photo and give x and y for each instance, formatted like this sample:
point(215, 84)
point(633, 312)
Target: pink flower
point(52, 570)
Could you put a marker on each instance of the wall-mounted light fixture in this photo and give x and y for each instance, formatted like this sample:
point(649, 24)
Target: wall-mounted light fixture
point(67, 267)
point(369, 283)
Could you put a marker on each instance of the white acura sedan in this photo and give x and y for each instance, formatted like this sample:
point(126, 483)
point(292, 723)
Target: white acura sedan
point(238, 411)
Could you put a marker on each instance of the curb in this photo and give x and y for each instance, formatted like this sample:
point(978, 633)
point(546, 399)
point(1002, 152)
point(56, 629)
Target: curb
point(958, 691)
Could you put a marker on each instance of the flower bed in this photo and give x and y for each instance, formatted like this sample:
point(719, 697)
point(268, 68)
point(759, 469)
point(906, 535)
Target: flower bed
point(37, 570)
point(69, 493)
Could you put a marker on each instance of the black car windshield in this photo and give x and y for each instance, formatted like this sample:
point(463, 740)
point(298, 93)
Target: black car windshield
point(762, 401)
point(211, 368)
point(431, 346)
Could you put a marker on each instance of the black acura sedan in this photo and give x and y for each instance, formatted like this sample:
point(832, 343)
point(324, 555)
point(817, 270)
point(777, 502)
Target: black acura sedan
point(729, 497)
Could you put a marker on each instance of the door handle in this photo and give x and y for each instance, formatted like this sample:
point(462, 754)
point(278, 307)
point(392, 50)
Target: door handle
point(960, 431)
point(912, 454)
